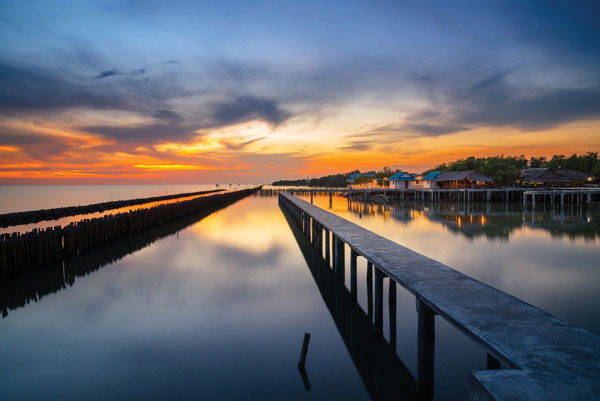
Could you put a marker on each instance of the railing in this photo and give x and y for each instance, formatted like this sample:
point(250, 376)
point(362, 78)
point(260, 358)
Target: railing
point(542, 356)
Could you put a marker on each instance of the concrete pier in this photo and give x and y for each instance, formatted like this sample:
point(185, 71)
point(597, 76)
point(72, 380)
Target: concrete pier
point(542, 356)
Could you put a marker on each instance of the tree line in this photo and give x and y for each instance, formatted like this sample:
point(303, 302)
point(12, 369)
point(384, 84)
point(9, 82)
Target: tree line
point(502, 169)
point(506, 169)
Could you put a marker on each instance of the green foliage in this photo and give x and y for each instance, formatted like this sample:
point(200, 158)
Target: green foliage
point(363, 179)
point(587, 163)
point(503, 170)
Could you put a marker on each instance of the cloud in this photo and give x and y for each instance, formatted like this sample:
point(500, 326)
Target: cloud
point(171, 125)
point(242, 145)
point(245, 108)
point(490, 100)
point(106, 73)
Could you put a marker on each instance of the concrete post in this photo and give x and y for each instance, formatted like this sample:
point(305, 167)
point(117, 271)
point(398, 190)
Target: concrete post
point(353, 285)
point(327, 246)
point(370, 290)
point(392, 313)
point(339, 259)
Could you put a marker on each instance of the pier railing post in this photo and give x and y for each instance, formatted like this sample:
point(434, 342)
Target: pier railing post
point(425, 350)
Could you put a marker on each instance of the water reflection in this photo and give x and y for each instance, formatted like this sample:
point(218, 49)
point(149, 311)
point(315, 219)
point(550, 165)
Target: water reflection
point(493, 221)
point(383, 373)
point(34, 285)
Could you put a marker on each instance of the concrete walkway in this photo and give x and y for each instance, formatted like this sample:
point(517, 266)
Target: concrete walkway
point(547, 358)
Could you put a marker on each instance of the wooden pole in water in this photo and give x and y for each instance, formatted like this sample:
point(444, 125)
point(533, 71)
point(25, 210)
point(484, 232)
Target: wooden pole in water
point(304, 351)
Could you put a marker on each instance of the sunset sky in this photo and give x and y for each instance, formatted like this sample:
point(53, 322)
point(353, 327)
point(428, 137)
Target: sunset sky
point(256, 91)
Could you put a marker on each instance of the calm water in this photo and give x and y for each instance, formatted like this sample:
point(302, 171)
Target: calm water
point(215, 307)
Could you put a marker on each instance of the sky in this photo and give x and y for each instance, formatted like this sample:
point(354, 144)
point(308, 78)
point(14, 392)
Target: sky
point(256, 91)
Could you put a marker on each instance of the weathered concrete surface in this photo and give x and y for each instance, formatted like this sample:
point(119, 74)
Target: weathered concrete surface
point(553, 360)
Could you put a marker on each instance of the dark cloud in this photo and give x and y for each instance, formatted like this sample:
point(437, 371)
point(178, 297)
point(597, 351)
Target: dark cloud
point(107, 73)
point(170, 127)
point(169, 62)
point(490, 100)
point(242, 145)
point(245, 108)
point(30, 89)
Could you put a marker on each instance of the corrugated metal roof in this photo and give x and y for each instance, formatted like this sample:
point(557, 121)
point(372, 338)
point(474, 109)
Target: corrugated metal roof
point(431, 176)
point(542, 175)
point(463, 175)
point(573, 175)
point(401, 176)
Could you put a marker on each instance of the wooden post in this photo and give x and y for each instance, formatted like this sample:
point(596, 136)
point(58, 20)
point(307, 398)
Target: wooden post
point(304, 351)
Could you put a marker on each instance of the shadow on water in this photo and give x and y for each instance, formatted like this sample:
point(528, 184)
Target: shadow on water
point(383, 373)
point(33, 285)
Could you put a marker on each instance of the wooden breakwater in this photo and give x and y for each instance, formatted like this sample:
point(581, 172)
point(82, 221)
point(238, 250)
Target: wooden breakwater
point(34, 285)
point(20, 253)
point(34, 216)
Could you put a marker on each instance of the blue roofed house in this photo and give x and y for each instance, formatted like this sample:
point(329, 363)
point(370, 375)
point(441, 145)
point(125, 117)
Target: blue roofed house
point(427, 181)
point(401, 180)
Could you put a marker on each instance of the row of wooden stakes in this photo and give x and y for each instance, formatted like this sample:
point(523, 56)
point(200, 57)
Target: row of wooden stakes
point(20, 253)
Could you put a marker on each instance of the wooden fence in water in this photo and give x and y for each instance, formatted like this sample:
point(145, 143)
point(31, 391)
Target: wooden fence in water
point(20, 253)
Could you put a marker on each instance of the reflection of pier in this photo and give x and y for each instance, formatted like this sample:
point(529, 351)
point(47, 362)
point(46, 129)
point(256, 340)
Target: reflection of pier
point(33, 285)
point(382, 372)
point(542, 356)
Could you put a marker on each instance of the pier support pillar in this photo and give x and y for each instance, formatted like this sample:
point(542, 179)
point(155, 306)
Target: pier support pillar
point(327, 246)
point(378, 302)
point(370, 290)
point(311, 197)
point(425, 351)
point(331, 199)
point(353, 284)
point(392, 313)
point(339, 259)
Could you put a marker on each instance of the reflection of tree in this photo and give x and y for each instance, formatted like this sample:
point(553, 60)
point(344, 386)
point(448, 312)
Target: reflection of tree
point(33, 285)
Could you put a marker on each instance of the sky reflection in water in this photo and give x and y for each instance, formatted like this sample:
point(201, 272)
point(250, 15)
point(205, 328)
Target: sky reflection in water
point(218, 311)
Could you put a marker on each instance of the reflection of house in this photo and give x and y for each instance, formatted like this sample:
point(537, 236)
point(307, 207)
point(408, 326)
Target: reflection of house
point(453, 179)
point(401, 180)
point(427, 181)
point(362, 180)
point(541, 176)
